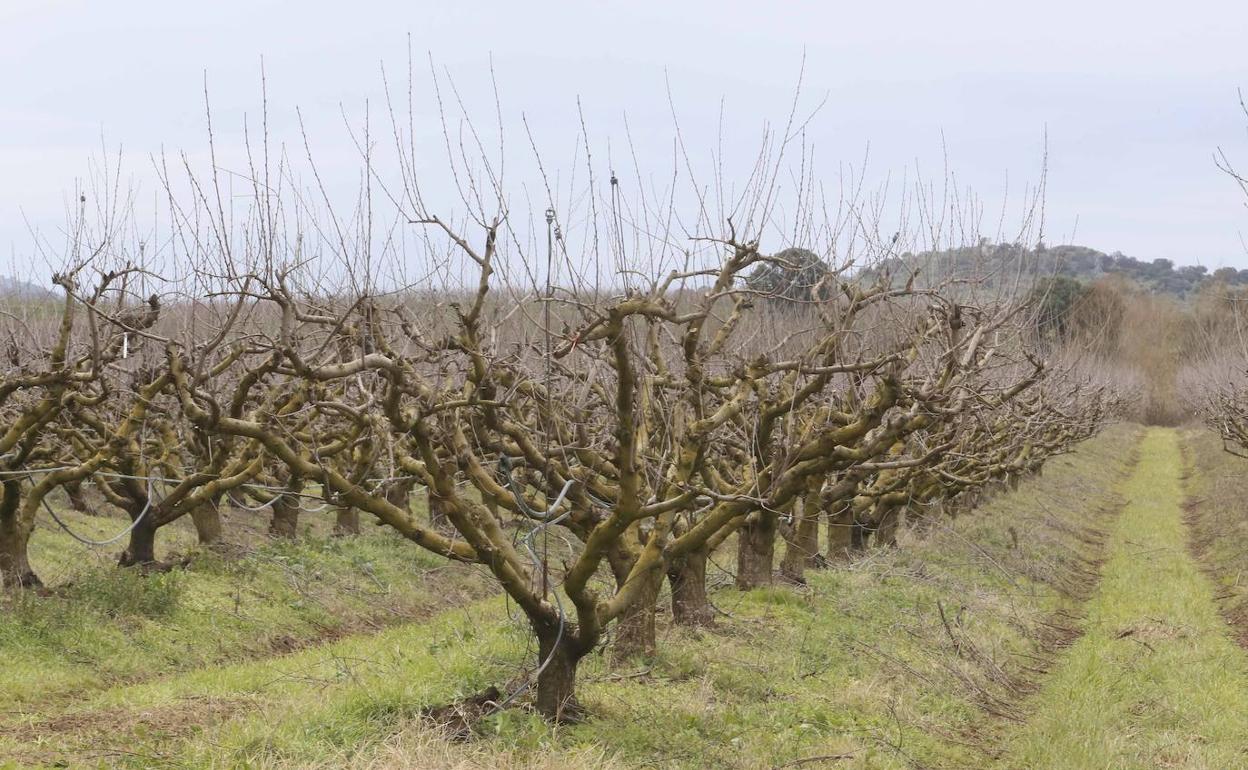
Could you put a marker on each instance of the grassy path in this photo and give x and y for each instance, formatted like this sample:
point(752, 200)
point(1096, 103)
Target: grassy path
point(1156, 681)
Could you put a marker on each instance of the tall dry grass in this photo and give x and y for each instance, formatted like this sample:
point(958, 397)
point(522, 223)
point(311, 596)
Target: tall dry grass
point(1140, 338)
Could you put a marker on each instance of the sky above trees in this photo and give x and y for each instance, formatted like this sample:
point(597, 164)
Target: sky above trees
point(1133, 104)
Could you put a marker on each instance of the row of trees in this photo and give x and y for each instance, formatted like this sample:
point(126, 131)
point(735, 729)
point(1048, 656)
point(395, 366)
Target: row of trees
point(655, 428)
point(585, 440)
point(1214, 377)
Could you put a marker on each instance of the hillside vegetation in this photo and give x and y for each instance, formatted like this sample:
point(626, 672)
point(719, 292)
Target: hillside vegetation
point(1006, 263)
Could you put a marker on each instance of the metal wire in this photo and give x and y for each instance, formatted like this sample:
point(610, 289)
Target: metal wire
point(95, 543)
point(544, 518)
point(527, 541)
point(230, 496)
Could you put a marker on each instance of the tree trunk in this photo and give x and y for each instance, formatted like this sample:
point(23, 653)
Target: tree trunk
point(756, 551)
point(802, 540)
point(890, 522)
point(635, 628)
point(556, 681)
point(971, 499)
point(690, 605)
point(840, 530)
point(77, 500)
point(399, 493)
point(347, 522)
point(285, 521)
point(924, 513)
point(142, 548)
point(15, 570)
point(858, 534)
point(437, 517)
point(207, 520)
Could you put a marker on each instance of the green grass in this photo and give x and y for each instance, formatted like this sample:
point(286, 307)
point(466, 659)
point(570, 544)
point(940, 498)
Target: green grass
point(1156, 681)
point(860, 665)
point(101, 626)
point(1218, 487)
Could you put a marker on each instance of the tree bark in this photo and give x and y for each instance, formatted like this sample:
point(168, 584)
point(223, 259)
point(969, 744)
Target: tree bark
point(890, 522)
point(207, 520)
point(347, 521)
point(858, 534)
point(77, 499)
point(690, 605)
point(756, 551)
point(970, 500)
point(399, 493)
point(437, 516)
point(802, 539)
point(142, 548)
point(840, 530)
point(556, 681)
point(15, 569)
point(285, 520)
point(635, 634)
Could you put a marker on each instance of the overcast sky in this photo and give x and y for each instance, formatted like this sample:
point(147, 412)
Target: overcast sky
point(1134, 97)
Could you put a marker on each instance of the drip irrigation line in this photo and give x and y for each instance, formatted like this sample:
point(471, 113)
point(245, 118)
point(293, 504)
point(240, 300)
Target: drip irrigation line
point(527, 542)
point(254, 508)
point(545, 520)
point(35, 471)
point(95, 543)
point(304, 509)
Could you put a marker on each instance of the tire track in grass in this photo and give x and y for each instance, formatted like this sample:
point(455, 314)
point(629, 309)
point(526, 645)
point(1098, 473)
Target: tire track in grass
point(1156, 680)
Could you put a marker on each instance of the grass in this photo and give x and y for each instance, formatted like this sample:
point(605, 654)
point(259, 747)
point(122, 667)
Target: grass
point(1218, 486)
point(1156, 681)
point(99, 626)
point(909, 657)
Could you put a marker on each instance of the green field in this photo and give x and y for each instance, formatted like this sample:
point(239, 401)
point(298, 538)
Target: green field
point(1156, 680)
point(1064, 624)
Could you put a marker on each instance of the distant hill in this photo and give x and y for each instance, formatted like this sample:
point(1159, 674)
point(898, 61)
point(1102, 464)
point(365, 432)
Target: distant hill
point(17, 288)
point(995, 262)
